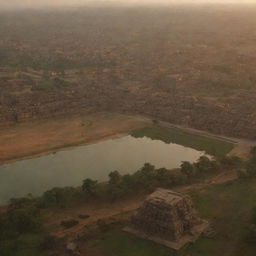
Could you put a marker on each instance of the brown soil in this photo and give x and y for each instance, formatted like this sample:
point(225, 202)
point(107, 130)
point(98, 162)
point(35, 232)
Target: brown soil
point(33, 139)
point(96, 211)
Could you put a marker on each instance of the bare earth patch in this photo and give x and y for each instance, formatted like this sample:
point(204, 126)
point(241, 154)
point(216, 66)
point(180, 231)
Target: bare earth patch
point(33, 139)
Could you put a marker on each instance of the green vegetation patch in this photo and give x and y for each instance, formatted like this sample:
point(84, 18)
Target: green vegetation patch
point(51, 84)
point(119, 243)
point(213, 147)
point(21, 229)
point(228, 207)
point(24, 245)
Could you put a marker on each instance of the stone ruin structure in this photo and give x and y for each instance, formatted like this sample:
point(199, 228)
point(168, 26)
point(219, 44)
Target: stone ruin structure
point(168, 218)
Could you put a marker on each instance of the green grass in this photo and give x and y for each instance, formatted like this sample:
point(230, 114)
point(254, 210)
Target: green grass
point(119, 243)
point(25, 245)
point(227, 206)
point(211, 146)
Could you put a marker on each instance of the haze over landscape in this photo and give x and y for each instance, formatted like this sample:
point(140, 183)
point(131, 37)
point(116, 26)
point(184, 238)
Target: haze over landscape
point(61, 3)
point(127, 128)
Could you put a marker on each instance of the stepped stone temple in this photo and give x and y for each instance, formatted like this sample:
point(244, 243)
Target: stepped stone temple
point(168, 218)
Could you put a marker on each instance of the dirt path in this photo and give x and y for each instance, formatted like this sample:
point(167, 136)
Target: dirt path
point(117, 210)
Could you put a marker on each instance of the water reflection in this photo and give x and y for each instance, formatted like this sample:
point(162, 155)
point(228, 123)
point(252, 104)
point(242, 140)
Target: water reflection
point(69, 168)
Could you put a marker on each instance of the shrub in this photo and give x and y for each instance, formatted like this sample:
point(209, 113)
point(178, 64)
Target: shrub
point(69, 223)
point(250, 236)
point(187, 169)
point(89, 186)
point(231, 162)
point(59, 197)
point(102, 225)
point(242, 174)
point(83, 216)
point(115, 177)
point(25, 219)
point(51, 242)
point(22, 217)
point(145, 177)
point(179, 178)
point(203, 164)
point(128, 182)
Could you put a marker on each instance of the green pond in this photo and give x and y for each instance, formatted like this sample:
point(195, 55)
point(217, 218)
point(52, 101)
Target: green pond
point(95, 161)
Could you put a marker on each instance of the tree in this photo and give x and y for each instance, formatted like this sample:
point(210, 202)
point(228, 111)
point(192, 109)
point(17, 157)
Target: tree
point(187, 168)
point(231, 161)
point(179, 179)
point(116, 187)
point(161, 175)
point(115, 177)
point(148, 168)
point(146, 176)
point(128, 181)
point(203, 164)
point(25, 219)
point(215, 165)
point(148, 171)
point(89, 186)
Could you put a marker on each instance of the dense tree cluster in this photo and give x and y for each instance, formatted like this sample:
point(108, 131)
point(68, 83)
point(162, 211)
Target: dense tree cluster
point(20, 226)
point(144, 180)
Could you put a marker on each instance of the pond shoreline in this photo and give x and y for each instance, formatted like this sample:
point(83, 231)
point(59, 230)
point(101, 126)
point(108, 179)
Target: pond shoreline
point(62, 148)
point(241, 146)
point(96, 161)
point(31, 140)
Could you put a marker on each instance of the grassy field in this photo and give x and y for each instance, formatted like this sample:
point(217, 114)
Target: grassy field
point(25, 245)
point(119, 243)
point(210, 146)
point(227, 207)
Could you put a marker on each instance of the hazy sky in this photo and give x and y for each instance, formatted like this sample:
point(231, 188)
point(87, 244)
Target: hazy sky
point(39, 3)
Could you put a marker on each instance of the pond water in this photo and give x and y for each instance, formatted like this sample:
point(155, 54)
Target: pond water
point(96, 161)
